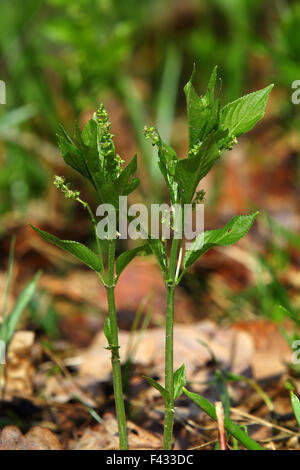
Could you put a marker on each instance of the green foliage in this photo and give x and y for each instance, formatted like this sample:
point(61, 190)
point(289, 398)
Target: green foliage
point(124, 259)
point(233, 231)
point(10, 322)
point(212, 129)
point(179, 381)
point(93, 155)
point(203, 112)
point(167, 161)
point(164, 393)
point(80, 251)
point(230, 427)
point(242, 115)
point(190, 171)
point(107, 330)
point(296, 406)
point(159, 251)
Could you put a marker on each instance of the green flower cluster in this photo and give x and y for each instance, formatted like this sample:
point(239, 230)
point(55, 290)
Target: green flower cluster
point(60, 183)
point(151, 133)
point(112, 160)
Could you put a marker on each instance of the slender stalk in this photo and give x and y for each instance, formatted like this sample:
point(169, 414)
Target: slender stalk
point(169, 380)
point(114, 347)
point(86, 206)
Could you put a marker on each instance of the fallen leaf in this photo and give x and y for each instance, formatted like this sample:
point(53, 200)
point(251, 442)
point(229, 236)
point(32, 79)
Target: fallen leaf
point(18, 372)
point(37, 438)
point(105, 436)
point(187, 349)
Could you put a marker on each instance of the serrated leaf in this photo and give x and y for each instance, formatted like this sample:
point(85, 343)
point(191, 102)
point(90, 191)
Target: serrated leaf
point(80, 251)
point(107, 330)
point(9, 325)
point(179, 381)
point(296, 407)
point(159, 251)
point(203, 112)
point(233, 231)
point(91, 155)
point(230, 427)
point(111, 190)
point(126, 177)
point(167, 163)
point(86, 157)
point(242, 114)
point(164, 393)
point(72, 154)
point(190, 171)
point(89, 134)
point(124, 259)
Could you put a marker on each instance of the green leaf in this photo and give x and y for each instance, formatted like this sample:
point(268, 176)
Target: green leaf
point(233, 231)
point(164, 393)
point(296, 407)
point(107, 330)
point(86, 157)
point(80, 251)
point(110, 191)
point(203, 112)
point(167, 165)
point(124, 259)
point(91, 156)
point(230, 427)
point(242, 114)
point(190, 171)
point(159, 251)
point(179, 381)
point(9, 325)
point(127, 182)
point(72, 155)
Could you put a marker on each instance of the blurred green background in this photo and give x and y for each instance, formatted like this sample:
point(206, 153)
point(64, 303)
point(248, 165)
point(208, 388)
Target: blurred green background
point(59, 59)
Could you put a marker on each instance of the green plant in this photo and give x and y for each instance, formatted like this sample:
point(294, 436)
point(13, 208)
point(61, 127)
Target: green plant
point(93, 155)
point(212, 130)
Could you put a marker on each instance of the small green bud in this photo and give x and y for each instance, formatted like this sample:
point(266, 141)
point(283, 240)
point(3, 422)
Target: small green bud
point(199, 197)
point(195, 149)
point(59, 182)
point(151, 133)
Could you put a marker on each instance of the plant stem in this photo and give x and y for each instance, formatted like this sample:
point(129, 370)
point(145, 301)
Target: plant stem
point(114, 347)
point(86, 206)
point(169, 383)
point(169, 380)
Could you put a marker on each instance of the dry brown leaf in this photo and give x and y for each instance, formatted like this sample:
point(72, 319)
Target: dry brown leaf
point(37, 438)
point(105, 436)
point(140, 277)
point(225, 344)
point(271, 350)
point(60, 389)
point(18, 371)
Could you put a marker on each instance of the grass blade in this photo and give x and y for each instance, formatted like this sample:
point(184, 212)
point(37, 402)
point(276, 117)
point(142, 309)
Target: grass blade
point(230, 427)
